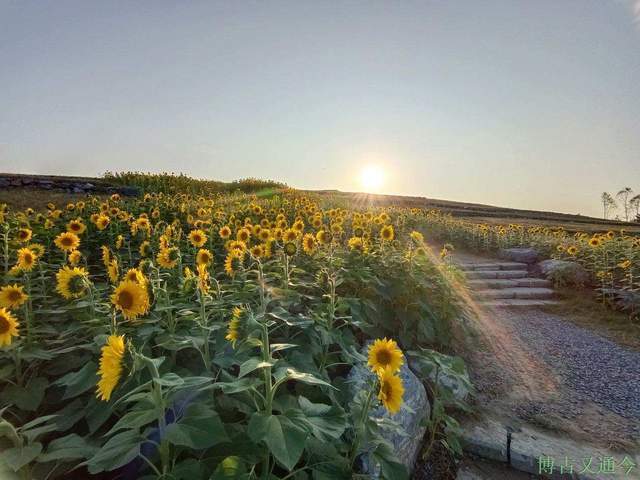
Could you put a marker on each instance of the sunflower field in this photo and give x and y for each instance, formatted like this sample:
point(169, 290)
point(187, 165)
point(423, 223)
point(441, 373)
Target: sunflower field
point(611, 258)
point(207, 337)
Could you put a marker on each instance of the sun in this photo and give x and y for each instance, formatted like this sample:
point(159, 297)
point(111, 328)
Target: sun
point(372, 178)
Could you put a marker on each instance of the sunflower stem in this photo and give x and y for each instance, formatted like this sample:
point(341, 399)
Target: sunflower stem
point(360, 426)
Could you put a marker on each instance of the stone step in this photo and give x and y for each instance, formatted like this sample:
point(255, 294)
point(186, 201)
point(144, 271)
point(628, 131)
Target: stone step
point(493, 266)
point(486, 283)
point(477, 274)
point(518, 303)
point(516, 292)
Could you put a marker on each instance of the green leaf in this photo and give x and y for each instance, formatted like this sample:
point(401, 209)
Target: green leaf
point(134, 419)
point(169, 380)
point(18, 457)
point(284, 439)
point(27, 398)
point(325, 422)
point(200, 428)
point(251, 365)
point(238, 386)
point(292, 374)
point(118, 451)
point(70, 447)
point(391, 468)
point(276, 347)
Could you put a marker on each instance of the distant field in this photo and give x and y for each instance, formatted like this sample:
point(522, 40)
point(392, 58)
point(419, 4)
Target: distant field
point(480, 213)
point(37, 198)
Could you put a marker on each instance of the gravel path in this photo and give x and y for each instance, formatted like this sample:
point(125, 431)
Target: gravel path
point(593, 366)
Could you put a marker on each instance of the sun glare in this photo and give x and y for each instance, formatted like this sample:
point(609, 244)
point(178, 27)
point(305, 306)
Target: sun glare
point(372, 178)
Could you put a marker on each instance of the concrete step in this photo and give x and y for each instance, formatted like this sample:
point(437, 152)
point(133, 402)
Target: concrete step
point(493, 266)
point(517, 292)
point(518, 303)
point(487, 283)
point(477, 274)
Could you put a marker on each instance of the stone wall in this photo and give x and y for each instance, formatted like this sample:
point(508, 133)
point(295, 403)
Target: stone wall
point(65, 184)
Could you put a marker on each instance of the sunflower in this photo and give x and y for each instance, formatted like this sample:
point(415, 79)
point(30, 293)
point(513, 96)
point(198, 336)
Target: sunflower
point(131, 299)
point(204, 257)
point(233, 329)
point(106, 255)
point(113, 271)
point(67, 241)
point(75, 257)
point(135, 275)
point(417, 237)
point(385, 354)
point(8, 327)
point(119, 242)
point(257, 251)
point(572, 250)
point(309, 243)
point(290, 235)
point(391, 391)
point(290, 249)
point(145, 249)
point(71, 282)
point(237, 246)
point(233, 262)
point(356, 243)
point(225, 232)
point(12, 296)
point(110, 366)
point(24, 235)
point(197, 238)
point(168, 257)
point(102, 222)
point(203, 278)
point(387, 233)
point(324, 237)
point(26, 259)
point(625, 264)
point(265, 234)
point(594, 242)
point(243, 235)
point(76, 226)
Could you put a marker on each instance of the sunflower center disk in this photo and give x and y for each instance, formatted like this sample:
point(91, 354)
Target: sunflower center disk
point(125, 300)
point(4, 325)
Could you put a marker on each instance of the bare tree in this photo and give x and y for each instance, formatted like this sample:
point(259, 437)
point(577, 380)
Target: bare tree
point(608, 203)
point(623, 195)
point(634, 203)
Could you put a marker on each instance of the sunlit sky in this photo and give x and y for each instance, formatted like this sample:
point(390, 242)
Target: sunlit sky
point(528, 104)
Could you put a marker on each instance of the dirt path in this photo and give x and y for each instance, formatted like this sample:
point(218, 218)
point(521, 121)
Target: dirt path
point(536, 368)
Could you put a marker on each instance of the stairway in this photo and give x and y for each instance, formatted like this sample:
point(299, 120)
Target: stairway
point(507, 284)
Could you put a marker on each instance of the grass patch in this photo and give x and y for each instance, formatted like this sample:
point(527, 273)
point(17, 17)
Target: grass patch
point(581, 308)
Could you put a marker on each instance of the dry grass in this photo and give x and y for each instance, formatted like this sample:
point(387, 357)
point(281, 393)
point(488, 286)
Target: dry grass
point(21, 198)
point(581, 308)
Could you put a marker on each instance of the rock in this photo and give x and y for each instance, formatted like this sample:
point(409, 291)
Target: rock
point(129, 191)
point(88, 186)
point(562, 272)
point(77, 189)
point(522, 255)
point(624, 300)
point(16, 182)
point(485, 438)
point(4, 182)
point(528, 446)
point(415, 408)
point(452, 375)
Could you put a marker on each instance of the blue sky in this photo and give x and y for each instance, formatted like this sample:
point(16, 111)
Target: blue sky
point(514, 103)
